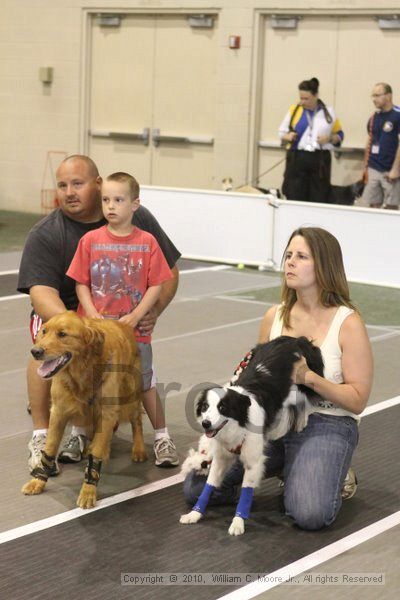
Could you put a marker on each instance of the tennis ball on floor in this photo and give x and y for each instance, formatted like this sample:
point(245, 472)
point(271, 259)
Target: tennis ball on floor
point(240, 266)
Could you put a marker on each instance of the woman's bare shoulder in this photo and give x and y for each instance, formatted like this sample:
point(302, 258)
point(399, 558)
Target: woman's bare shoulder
point(266, 324)
point(353, 323)
point(353, 331)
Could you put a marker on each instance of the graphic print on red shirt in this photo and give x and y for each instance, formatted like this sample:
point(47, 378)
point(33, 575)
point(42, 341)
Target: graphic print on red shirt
point(118, 270)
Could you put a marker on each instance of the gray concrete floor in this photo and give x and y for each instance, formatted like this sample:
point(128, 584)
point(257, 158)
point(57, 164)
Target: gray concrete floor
point(201, 337)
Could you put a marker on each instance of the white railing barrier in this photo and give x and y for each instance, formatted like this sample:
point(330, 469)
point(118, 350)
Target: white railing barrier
point(253, 229)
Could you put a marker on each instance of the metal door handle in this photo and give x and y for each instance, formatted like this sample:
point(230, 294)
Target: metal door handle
point(180, 139)
point(123, 135)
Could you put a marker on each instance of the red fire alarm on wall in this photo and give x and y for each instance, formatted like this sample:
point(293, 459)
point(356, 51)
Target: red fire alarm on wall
point(234, 42)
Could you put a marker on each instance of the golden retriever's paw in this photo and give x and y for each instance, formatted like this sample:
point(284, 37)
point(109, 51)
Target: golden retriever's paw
point(237, 526)
point(34, 486)
point(193, 517)
point(88, 496)
point(139, 455)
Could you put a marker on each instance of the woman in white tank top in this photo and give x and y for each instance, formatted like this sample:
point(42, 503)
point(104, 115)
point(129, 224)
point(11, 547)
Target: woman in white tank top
point(316, 304)
point(313, 462)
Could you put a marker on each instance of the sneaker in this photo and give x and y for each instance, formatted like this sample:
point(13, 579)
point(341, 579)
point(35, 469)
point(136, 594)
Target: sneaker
point(165, 452)
point(281, 479)
point(35, 446)
point(73, 449)
point(349, 485)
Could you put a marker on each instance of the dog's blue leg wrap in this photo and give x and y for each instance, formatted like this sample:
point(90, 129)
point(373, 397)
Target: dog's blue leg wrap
point(245, 502)
point(203, 499)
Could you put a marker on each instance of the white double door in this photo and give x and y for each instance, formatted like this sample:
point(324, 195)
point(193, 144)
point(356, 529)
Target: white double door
point(152, 100)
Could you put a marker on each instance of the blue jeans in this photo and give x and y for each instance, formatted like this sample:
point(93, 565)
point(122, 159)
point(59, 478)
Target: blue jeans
point(314, 463)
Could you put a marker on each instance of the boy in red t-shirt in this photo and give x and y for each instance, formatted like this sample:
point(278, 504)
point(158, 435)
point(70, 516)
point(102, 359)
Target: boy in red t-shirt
point(119, 270)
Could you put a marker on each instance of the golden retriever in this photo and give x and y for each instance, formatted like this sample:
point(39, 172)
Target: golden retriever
point(96, 383)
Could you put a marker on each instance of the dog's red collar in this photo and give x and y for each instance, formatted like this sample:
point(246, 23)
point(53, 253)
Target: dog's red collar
point(236, 450)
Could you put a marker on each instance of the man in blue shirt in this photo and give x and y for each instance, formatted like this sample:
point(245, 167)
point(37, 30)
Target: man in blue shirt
point(383, 151)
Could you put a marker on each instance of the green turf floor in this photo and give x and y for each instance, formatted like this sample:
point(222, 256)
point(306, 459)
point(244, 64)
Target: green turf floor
point(378, 305)
point(14, 227)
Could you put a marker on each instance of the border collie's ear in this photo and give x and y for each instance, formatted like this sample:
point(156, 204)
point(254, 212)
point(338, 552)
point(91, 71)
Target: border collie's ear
point(201, 402)
point(312, 354)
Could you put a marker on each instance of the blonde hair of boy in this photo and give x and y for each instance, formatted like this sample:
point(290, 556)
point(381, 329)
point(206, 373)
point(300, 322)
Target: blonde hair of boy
point(121, 177)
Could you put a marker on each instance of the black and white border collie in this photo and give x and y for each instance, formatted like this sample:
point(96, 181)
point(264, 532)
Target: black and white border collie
point(238, 419)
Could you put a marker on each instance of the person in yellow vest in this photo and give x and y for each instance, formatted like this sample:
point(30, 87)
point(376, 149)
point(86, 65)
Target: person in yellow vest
point(310, 130)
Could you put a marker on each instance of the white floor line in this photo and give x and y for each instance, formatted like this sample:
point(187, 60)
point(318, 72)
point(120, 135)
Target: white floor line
point(312, 560)
point(244, 300)
point(182, 272)
point(16, 330)
point(384, 327)
point(384, 336)
point(13, 372)
point(179, 299)
point(14, 297)
point(217, 293)
point(24, 432)
point(200, 331)
point(374, 408)
point(13, 534)
point(203, 269)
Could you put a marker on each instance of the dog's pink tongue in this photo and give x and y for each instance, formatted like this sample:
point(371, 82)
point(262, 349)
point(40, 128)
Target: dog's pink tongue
point(47, 367)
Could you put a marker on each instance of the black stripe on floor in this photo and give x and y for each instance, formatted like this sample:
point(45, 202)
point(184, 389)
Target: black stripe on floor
point(84, 558)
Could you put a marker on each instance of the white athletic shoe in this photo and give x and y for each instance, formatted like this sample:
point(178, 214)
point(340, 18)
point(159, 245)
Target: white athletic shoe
point(74, 449)
point(35, 446)
point(165, 453)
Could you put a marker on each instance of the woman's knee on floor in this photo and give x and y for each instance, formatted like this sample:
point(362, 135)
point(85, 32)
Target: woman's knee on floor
point(310, 515)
